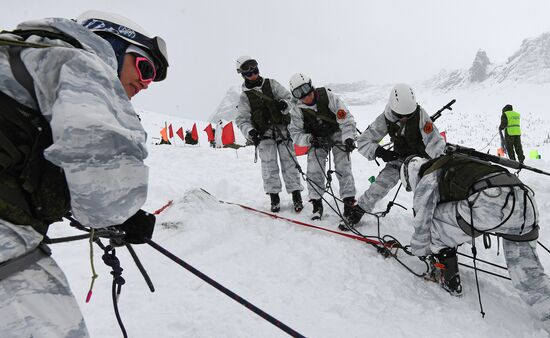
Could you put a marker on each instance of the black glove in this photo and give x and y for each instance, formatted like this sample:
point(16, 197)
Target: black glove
point(255, 137)
point(138, 227)
point(350, 145)
point(316, 142)
point(281, 105)
point(386, 155)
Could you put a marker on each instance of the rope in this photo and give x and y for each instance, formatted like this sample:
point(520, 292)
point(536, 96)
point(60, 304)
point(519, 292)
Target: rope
point(490, 141)
point(110, 259)
point(474, 253)
point(545, 248)
point(224, 290)
point(94, 274)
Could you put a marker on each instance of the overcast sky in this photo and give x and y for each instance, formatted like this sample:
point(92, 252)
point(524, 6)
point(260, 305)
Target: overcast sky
point(332, 41)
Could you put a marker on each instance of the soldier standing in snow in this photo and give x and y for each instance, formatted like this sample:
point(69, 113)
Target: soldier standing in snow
point(457, 198)
point(412, 132)
point(85, 157)
point(263, 116)
point(509, 122)
point(321, 120)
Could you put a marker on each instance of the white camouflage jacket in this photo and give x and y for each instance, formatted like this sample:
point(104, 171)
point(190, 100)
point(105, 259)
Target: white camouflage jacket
point(369, 140)
point(336, 105)
point(244, 116)
point(97, 137)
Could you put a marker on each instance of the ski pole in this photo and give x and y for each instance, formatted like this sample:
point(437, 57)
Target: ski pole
point(224, 290)
point(140, 267)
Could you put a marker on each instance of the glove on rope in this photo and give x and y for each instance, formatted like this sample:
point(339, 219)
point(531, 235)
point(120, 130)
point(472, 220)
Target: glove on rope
point(138, 227)
point(255, 137)
point(386, 155)
point(317, 142)
point(281, 105)
point(350, 145)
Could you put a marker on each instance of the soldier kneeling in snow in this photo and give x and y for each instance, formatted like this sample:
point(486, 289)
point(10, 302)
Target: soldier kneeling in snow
point(457, 198)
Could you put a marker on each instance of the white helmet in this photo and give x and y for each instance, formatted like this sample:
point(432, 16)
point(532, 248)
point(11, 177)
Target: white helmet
point(300, 85)
point(107, 24)
point(402, 99)
point(410, 171)
point(245, 63)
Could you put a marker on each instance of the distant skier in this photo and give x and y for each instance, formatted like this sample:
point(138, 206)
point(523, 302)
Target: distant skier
point(457, 198)
point(321, 120)
point(412, 132)
point(70, 142)
point(509, 122)
point(263, 115)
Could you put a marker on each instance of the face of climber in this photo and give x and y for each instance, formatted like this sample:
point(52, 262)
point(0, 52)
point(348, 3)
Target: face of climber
point(251, 75)
point(136, 74)
point(309, 98)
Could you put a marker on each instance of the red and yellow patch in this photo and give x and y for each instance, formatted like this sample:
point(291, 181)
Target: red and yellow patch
point(428, 127)
point(341, 114)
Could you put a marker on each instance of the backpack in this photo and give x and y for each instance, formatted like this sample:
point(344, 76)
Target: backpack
point(33, 191)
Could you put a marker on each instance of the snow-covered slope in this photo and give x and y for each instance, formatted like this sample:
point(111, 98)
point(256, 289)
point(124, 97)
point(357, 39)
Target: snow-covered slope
point(319, 284)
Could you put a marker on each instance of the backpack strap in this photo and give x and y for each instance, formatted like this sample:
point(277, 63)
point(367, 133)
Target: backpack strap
point(503, 179)
point(21, 263)
point(20, 72)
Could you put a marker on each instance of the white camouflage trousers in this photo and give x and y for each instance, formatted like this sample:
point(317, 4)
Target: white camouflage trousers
point(36, 302)
point(268, 150)
point(524, 266)
point(385, 181)
point(316, 170)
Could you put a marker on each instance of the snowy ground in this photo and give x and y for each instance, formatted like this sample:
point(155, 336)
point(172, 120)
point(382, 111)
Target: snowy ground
point(321, 285)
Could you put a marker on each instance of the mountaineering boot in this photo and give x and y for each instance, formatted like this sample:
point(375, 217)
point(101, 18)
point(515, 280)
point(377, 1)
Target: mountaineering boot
point(275, 202)
point(349, 202)
point(317, 209)
point(354, 215)
point(297, 200)
point(445, 271)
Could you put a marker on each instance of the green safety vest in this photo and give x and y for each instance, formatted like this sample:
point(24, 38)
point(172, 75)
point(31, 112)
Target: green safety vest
point(411, 142)
point(321, 122)
point(263, 109)
point(513, 128)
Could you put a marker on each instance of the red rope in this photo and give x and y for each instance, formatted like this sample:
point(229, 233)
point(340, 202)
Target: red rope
point(163, 207)
point(359, 238)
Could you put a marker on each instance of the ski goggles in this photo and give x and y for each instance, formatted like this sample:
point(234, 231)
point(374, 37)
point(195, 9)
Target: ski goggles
point(145, 69)
point(248, 66)
point(302, 91)
point(249, 73)
point(156, 45)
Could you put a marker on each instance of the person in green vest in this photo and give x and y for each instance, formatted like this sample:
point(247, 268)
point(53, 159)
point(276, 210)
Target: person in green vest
point(263, 116)
point(458, 198)
point(322, 121)
point(509, 122)
point(412, 132)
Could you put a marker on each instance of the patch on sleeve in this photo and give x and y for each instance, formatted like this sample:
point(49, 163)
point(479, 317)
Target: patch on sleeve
point(341, 114)
point(428, 127)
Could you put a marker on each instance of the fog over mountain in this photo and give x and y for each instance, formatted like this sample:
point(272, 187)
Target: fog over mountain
point(529, 65)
